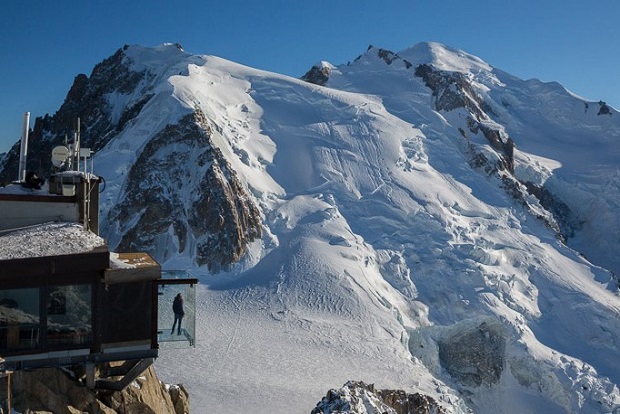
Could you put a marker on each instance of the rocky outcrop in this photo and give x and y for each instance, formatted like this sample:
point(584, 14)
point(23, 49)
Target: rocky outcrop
point(503, 147)
point(318, 75)
point(180, 164)
point(405, 403)
point(603, 109)
point(565, 218)
point(388, 57)
point(476, 356)
point(60, 391)
point(451, 90)
point(556, 215)
point(360, 398)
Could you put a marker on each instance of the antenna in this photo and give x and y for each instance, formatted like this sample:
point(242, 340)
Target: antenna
point(60, 154)
point(24, 148)
point(76, 146)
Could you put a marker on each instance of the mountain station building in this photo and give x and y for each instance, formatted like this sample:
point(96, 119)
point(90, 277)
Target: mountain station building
point(66, 300)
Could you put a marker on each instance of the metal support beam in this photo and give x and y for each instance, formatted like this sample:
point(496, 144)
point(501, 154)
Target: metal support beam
point(130, 371)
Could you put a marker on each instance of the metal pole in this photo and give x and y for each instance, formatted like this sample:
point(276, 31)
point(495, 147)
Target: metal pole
point(8, 392)
point(77, 146)
point(23, 151)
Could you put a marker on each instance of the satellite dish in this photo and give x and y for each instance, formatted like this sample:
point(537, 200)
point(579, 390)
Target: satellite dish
point(60, 154)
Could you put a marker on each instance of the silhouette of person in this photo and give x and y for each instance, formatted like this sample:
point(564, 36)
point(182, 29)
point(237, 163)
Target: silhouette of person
point(179, 312)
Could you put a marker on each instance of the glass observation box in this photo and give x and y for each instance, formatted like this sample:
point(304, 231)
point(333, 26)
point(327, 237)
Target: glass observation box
point(176, 316)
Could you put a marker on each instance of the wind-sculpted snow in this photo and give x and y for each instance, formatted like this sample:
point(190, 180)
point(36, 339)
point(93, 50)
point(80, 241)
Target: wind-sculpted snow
point(397, 244)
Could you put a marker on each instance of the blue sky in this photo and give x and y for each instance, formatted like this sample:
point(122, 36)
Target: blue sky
point(45, 43)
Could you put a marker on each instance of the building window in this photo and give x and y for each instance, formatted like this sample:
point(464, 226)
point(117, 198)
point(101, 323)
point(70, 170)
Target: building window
point(69, 315)
point(19, 319)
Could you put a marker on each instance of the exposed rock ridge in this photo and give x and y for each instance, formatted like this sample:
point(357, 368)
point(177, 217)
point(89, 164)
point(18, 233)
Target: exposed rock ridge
point(317, 75)
point(453, 90)
point(387, 56)
point(604, 109)
point(566, 220)
point(356, 397)
point(180, 162)
point(87, 100)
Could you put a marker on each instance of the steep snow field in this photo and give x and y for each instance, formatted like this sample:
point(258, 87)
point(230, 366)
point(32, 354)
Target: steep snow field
point(381, 243)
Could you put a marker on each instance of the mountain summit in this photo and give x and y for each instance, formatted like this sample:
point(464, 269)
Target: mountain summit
point(419, 220)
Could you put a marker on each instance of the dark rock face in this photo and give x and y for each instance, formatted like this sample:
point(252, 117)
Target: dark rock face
point(389, 57)
point(603, 109)
point(561, 221)
point(317, 75)
point(561, 212)
point(360, 398)
point(85, 100)
point(155, 215)
point(404, 403)
point(474, 357)
point(451, 90)
point(504, 148)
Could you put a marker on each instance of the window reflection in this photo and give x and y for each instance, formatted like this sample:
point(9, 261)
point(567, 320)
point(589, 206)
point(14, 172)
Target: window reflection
point(69, 315)
point(19, 318)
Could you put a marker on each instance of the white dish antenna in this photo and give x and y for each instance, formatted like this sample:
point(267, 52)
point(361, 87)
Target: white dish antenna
point(60, 154)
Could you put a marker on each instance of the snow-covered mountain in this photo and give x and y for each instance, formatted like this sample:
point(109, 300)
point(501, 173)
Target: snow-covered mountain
point(418, 220)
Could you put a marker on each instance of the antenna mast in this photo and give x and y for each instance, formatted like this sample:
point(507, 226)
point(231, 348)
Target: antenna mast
point(76, 146)
point(23, 152)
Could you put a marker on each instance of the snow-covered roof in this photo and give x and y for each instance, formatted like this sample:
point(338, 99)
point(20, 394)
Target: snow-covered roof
point(16, 189)
point(50, 239)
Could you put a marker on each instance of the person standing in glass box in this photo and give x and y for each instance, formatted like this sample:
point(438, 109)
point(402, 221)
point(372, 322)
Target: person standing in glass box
point(177, 308)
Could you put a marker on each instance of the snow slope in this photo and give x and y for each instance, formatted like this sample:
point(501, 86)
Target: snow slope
point(383, 249)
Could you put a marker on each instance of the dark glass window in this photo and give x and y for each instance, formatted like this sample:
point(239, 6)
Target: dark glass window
point(69, 315)
point(127, 310)
point(19, 319)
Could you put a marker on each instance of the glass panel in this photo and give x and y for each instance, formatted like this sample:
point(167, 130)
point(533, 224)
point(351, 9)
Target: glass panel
point(19, 319)
point(176, 319)
point(127, 310)
point(69, 315)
